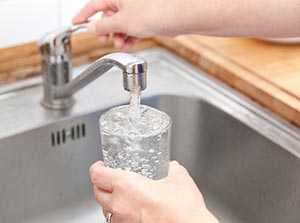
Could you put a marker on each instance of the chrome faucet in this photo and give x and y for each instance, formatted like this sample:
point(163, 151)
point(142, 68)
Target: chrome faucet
point(59, 86)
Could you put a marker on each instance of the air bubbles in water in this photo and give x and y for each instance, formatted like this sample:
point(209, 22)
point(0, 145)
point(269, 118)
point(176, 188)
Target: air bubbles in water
point(142, 145)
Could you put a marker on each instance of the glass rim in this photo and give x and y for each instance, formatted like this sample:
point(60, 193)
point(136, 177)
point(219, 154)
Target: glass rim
point(162, 130)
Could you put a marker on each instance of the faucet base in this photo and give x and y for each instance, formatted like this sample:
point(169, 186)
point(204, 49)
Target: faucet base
point(59, 104)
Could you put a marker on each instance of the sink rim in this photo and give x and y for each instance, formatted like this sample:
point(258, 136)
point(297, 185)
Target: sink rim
point(193, 85)
point(205, 88)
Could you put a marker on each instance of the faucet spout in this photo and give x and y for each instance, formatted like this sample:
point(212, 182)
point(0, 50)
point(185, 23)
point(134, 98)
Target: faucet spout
point(59, 87)
point(134, 73)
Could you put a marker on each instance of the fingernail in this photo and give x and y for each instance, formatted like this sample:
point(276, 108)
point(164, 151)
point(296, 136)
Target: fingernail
point(100, 162)
point(95, 166)
point(77, 20)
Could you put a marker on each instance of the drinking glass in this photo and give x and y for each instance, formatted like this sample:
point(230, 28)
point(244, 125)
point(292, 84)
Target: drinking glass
point(140, 144)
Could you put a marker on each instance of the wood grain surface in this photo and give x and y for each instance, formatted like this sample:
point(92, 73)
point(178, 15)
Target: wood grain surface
point(267, 73)
point(24, 61)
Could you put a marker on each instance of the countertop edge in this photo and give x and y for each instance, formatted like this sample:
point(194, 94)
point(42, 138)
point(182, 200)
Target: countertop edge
point(23, 61)
point(240, 78)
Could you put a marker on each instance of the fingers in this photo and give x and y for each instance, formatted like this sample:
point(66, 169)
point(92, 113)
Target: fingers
point(105, 25)
point(130, 42)
point(109, 13)
point(124, 42)
point(109, 24)
point(119, 40)
point(103, 177)
point(176, 170)
point(103, 38)
point(92, 8)
point(103, 198)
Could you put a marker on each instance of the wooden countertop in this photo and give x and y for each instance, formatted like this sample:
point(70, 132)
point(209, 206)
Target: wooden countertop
point(267, 73)
point(24, 61)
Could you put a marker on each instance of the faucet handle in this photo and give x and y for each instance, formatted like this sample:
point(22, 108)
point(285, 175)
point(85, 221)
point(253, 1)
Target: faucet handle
point(75, 28)
point(55, 48)
point(58, 43)
point(59, 86)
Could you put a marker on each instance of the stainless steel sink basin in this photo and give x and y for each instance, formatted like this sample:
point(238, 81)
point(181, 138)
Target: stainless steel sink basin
point(244, 159)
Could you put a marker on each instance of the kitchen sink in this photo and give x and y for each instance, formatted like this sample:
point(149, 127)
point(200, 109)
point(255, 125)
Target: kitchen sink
point(245, 159)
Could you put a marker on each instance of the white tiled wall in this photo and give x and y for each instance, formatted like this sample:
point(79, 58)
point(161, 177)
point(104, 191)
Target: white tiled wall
point(26, 20)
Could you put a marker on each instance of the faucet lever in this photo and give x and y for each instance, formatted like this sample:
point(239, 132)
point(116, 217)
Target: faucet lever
point(59, 86)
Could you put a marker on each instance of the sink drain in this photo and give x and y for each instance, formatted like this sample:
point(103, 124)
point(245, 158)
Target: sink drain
point(73, 133)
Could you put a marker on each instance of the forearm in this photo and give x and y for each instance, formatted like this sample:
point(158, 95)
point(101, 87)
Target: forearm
point(268, 18)
point(143, 18)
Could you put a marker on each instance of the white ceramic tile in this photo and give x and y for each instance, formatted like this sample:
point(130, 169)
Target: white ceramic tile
point(69, 9)
point(27, 20)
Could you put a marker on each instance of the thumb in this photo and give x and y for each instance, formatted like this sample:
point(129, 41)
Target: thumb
point(105, 25)
point(176, 171)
